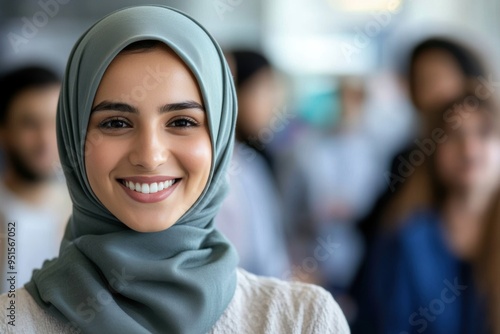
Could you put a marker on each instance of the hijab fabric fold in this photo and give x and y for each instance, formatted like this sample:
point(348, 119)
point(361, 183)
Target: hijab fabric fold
point(109, 278)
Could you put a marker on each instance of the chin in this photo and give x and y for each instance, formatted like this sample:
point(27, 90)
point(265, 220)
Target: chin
point(148, 228)
point(148, 224)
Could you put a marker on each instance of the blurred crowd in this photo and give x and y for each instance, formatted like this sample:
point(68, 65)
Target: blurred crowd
point(401, 227)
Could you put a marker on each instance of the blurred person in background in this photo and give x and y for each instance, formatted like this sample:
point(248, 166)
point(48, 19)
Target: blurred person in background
point(327, 182)
point(439, 70)
point(253, 200)
point(425, 273)
point(32, 199)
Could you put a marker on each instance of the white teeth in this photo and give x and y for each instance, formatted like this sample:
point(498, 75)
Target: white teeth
point(149, 188)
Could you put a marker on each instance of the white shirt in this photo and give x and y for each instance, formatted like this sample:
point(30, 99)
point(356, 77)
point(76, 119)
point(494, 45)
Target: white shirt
point(36, 232)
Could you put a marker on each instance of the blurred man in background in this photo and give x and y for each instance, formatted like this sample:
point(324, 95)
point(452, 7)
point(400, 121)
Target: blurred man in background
point(34, 204)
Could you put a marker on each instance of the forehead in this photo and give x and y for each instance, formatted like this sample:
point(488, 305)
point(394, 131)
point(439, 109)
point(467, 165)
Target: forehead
point(437, 57)
point(143, 73)
point(149, 61)
point(35, 100)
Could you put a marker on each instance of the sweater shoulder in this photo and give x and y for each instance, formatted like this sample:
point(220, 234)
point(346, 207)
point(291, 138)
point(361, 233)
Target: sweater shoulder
point(260, 305)
point(23, 315)
point(270, 305)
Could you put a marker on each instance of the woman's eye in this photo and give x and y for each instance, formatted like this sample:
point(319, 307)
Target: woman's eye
point(183, 123)
point(114, 124)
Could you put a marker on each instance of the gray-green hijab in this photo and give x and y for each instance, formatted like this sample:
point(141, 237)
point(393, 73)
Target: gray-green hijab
point(109, 278)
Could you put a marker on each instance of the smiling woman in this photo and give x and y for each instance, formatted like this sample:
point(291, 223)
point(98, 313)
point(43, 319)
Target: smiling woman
point(145, 130)
point(154, 150)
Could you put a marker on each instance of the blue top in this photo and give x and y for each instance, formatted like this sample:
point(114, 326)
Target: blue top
point(416, 285)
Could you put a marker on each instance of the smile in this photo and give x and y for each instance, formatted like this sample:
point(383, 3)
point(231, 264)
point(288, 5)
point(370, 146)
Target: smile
point(149, 188)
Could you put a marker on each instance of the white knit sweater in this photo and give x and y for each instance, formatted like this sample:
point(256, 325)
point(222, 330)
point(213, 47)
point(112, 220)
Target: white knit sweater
point(260, 305)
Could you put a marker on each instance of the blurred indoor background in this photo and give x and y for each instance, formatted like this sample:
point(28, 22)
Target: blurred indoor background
point(342, 116)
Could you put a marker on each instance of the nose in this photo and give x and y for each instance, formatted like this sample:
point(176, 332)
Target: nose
point(148, 150)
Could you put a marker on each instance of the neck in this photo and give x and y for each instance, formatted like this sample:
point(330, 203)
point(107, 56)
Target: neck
point(32, 192)
point(464, 214)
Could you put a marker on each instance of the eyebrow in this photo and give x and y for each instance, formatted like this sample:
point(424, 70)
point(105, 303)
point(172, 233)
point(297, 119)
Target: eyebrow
point(124, 107)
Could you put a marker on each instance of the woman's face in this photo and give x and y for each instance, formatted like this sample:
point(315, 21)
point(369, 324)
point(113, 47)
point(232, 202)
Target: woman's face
point(148, 151)
point(257, 100)
point(469, 159)
point(438, 80)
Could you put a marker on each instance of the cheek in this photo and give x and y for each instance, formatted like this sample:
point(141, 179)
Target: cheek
point(101, 157)
point(492, 153)
point(195, 156)
point(22, 138)
point(264, 107)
